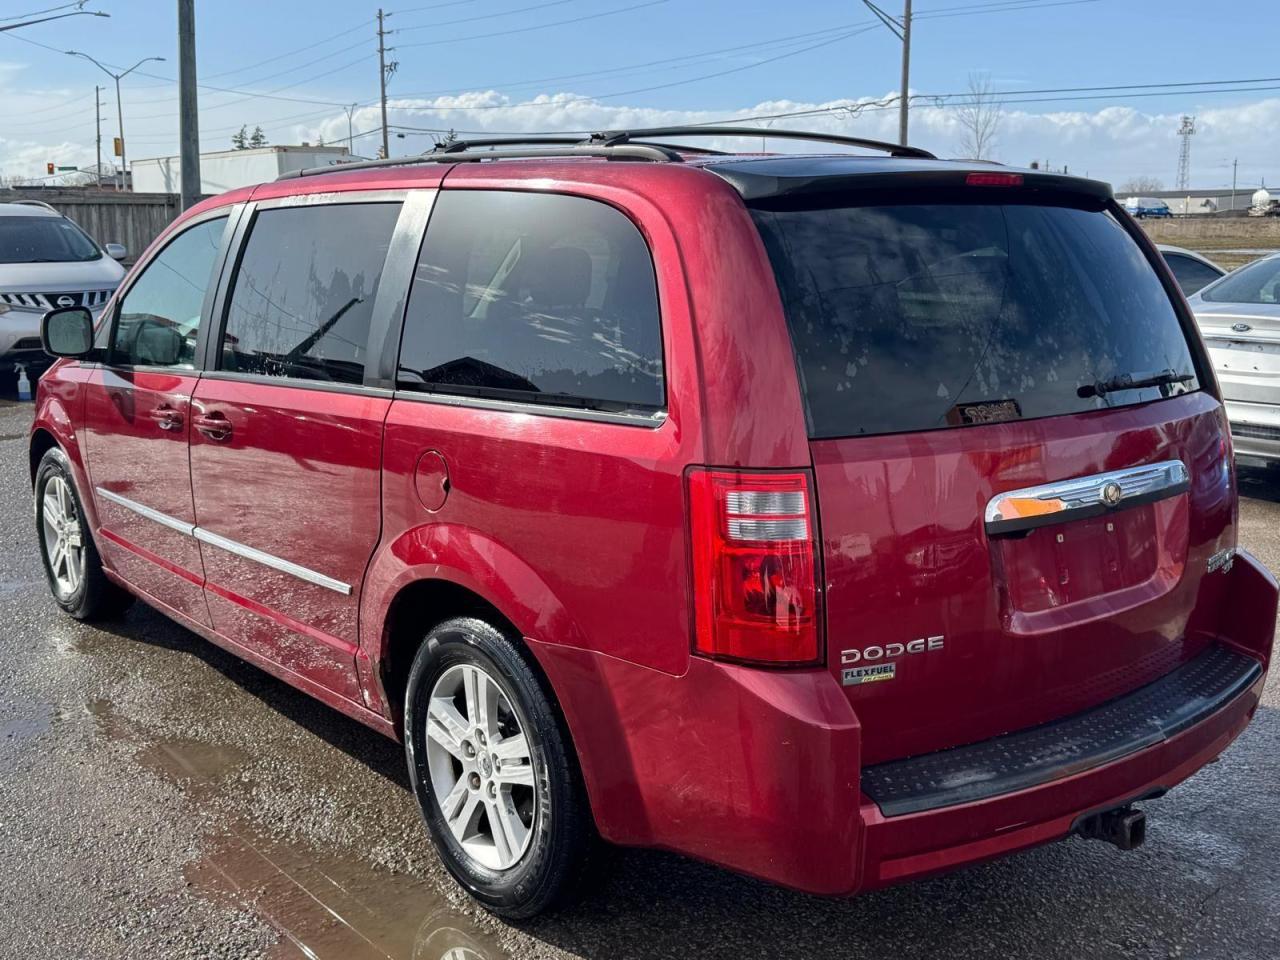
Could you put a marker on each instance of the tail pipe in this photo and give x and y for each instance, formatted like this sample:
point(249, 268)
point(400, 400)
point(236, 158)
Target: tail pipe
point(1124, 827)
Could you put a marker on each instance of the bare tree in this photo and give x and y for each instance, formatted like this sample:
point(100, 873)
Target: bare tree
point(979, 117)
point(1142, 185)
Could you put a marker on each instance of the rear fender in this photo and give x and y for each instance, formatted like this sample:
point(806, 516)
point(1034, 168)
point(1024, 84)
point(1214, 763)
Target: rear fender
point(465, 557)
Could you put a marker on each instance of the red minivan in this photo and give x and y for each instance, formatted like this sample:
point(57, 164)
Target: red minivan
point(839, 519)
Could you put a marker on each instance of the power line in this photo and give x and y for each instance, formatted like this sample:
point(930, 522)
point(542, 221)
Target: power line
point(659, 86)
point(483, 16)
point(539, 26)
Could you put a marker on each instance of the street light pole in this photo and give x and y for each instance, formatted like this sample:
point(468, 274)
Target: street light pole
point(97, 127)
point(117, 77)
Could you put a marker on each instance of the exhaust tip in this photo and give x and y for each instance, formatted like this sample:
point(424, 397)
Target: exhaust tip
point(1124, 827)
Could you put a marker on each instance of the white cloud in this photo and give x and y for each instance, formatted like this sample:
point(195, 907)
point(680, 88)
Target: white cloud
point(1107, 142)
point(1110, 143)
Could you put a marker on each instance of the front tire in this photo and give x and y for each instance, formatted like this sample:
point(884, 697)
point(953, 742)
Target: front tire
point(493, 770)
point(69, 555)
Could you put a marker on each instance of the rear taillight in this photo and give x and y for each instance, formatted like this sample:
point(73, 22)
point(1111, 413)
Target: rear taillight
point(755, 572)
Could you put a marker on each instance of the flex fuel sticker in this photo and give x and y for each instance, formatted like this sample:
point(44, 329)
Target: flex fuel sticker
point(880, 671)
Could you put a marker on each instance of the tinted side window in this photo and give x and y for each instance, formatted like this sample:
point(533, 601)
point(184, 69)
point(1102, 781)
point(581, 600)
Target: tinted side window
point(534, 297)
point(303, 293)
point(159, 317)
point(1190, 273)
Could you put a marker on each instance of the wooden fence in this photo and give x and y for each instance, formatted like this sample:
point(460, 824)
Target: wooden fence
point(134, 219)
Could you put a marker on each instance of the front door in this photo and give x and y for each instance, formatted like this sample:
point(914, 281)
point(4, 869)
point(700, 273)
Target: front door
point(138, 419)
point(286, 442)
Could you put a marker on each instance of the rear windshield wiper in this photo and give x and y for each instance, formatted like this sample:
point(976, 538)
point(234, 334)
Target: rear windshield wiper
point(1131, 381)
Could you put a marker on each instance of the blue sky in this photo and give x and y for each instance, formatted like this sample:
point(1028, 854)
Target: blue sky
point(534, 71)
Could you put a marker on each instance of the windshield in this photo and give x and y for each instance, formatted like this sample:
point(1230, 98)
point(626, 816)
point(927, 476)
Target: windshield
point(1259, 282)
point(44, 240)
point(924, 316)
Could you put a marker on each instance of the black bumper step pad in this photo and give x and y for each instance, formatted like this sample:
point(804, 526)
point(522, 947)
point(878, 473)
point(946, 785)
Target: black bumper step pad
point(1027, 758)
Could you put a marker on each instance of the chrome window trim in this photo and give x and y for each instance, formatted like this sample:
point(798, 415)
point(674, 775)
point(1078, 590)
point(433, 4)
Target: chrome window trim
point(324, 386)
point(649, 420)
point(173, 523)
point(227, 544)
point(331, 197)
point(1081, 497)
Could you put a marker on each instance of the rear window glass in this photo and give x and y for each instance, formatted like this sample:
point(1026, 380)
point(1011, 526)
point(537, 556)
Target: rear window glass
point(924, 316)
point(534, 297)
point(1259, 282)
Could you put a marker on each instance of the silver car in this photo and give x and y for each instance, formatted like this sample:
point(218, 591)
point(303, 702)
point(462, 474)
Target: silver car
point(47, 261)
point(1192, 270)
point(1239, 317)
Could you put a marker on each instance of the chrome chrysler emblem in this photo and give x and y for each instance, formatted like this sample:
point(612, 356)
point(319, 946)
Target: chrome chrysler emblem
point(1241, 327)
point(66, 301)
point(1111, 494)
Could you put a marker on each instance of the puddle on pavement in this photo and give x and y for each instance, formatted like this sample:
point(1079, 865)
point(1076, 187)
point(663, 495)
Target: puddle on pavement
point(323, 904)
point(17, 729)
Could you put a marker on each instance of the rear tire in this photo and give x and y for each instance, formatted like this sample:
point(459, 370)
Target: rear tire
point(67, 551)
point(494, 771)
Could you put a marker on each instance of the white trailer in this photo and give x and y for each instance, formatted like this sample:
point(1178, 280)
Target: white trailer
point(228, 169)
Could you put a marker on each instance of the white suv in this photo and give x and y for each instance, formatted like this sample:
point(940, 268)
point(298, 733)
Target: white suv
point(47, 261)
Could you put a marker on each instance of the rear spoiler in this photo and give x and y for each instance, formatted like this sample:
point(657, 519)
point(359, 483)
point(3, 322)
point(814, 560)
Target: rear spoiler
point(794, 177)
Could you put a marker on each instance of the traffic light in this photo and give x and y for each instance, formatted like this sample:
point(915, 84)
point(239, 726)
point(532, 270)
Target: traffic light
point(49, 167)
point(118, 145)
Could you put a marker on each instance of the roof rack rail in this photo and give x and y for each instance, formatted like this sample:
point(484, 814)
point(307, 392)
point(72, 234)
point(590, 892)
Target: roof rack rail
point(639, 144)
point(33, 203)
point(575, 148)
point(617, 137)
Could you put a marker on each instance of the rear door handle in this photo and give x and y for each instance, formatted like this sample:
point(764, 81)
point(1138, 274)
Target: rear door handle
point(166, 417)
point(214, 425)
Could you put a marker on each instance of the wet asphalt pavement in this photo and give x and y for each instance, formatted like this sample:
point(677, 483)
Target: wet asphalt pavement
point(159, 798)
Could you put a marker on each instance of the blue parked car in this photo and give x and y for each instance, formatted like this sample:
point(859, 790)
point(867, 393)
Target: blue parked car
point(1141, 207)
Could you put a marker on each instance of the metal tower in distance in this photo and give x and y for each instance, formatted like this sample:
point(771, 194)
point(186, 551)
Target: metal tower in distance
point(1185, 133)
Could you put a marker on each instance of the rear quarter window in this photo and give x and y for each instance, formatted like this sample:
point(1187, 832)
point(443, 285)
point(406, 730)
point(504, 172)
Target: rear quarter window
point(927, 315)
point(539, 298)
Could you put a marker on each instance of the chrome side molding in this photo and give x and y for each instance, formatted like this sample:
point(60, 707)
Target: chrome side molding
point(231, 546)
point(144, 511)
point(1019, 510)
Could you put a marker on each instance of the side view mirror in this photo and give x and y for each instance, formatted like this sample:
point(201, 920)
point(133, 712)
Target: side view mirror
point(117, 251)
point(67, 332)
point(157, 344)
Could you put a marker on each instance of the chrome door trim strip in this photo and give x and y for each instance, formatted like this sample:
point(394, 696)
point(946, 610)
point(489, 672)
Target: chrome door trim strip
point(173, 523)
point(231, 546)
point(272, 561)
point(1016, 511)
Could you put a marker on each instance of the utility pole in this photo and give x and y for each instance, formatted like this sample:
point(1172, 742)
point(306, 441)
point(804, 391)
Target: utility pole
point(1234, 164)
point(906, 72)
point(188, 121)
point(384, 71)
point(902, 30)
point(97, 126)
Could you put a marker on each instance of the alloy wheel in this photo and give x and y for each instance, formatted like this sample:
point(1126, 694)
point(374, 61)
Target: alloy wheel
point(480, 762)
point(63, 538)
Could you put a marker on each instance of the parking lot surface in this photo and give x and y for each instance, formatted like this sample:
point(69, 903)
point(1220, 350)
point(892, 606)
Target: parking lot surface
point(159, 798)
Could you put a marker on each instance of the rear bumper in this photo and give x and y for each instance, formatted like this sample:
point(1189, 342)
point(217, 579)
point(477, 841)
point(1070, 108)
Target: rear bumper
point(1255, 429)
point(760, 771)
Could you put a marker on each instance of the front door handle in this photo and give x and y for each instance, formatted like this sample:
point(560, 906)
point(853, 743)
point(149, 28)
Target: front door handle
point(213, 425)
point(166, 417)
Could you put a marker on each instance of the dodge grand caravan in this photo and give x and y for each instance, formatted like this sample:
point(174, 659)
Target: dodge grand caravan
point(837, 519)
